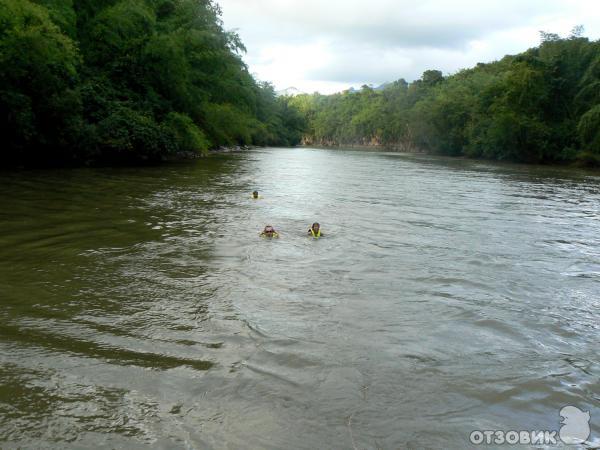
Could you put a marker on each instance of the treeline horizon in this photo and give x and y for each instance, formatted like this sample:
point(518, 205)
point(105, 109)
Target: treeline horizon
point(540, 106)
point(128, 81)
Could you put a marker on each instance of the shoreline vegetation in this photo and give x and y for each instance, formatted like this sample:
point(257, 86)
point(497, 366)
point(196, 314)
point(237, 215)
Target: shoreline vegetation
point(538, 107)
point(186, 156)
point(376, 146)
point(113, 82)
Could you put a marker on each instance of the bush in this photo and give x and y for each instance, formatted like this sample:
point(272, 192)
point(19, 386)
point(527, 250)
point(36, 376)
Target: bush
point(589, 130)
point(128, 136)
point(187, 136)
point(588, 159)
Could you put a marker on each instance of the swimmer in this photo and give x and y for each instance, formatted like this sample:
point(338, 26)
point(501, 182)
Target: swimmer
point(315, 230)
point(269, 232)
point(255, 195)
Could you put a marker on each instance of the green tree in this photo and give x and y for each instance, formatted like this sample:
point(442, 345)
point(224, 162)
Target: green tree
point(37, 103)
point(537, 107)
point(128, 80)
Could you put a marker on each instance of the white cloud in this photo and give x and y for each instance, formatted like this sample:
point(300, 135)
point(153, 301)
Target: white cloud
point(329, 46)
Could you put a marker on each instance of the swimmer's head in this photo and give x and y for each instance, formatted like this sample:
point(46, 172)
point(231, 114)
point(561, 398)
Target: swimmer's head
point(255, 194)
point(316, 227)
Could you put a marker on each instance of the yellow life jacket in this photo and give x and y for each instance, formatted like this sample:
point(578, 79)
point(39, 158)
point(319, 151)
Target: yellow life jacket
point(315, 235)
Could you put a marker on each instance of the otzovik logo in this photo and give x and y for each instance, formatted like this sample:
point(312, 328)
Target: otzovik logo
point(575, 425)
point(575, 430)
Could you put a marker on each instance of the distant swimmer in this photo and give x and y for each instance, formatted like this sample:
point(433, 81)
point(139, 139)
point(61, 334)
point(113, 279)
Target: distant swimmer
point(255, 195)
point(315, 230)
point(269, 232)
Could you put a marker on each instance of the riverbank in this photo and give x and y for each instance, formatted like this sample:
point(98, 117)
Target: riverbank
point(585, 161)
point(396, 147)
point(236, 148)
point(486, 112)
point(190, 156)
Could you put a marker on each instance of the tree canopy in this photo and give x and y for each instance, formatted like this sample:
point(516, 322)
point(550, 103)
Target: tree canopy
point(94, 81)
point(541, 106)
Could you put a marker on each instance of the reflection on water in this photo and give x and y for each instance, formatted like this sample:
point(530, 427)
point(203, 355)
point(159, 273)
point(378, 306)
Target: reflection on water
point(139, 306)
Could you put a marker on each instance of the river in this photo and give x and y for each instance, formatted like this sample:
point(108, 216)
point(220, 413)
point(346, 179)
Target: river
point(140, 306)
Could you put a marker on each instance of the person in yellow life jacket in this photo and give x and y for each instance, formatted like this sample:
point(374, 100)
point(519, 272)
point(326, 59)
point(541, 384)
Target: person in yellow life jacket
point(315, 230)
point(269, 232)
point(255, 195)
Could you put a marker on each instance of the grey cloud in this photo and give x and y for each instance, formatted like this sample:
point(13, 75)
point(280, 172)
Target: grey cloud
point(354, 65)
point(381, 40)
point(387, 23)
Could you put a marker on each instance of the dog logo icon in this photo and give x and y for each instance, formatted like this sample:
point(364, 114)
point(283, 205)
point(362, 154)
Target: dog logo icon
point(575, 425)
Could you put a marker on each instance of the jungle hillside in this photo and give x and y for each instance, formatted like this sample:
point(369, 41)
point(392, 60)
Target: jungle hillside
point(540, 106)
point(130, 81)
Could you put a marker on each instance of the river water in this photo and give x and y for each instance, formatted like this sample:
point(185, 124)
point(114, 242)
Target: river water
point(140, 306)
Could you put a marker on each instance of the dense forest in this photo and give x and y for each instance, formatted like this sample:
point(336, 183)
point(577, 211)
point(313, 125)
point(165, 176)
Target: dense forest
point(120, 81)
point(541, 106)
point(126, 81)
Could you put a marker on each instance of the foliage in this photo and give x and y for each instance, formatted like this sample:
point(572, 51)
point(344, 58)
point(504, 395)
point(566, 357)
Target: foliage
point(541, 106)
point(589, 130)
point(186, 135)
point(124, 81)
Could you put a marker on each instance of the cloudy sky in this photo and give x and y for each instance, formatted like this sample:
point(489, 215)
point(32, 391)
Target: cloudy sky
point(330, 45)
